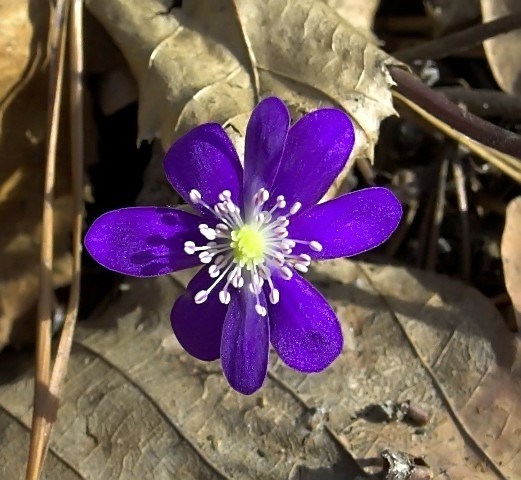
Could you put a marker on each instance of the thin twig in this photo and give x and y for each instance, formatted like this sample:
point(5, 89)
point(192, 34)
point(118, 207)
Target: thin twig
point(462, 40)
point(77, 148)
point(507, 164)
point(396, 240)
point(423, 233)
point(42, 399)
point(366, 170)
point(463, 206)
point(468, 124)
point(439, 208)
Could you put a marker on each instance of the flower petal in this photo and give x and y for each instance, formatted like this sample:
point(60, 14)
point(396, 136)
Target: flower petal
point(205, 160)
point(143, 241)
point(198, 327)
point(304, 329)
point(317, 149)
point(245, 343)
point(265, 138)
point(348, 225)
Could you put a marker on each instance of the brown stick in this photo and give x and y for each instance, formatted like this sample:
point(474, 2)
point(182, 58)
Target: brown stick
point(455, 42)
point(485, 103)
point(438, 105)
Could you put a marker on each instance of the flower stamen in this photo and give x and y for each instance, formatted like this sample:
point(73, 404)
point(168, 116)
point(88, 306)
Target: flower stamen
point(247, 250)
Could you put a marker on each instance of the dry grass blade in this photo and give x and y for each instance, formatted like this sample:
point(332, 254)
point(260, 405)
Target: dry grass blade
point(508, 164)
point(463, 206)
point(77, 143)
point(42, 399)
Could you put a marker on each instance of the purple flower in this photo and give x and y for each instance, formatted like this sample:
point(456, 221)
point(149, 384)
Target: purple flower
point(254, 231)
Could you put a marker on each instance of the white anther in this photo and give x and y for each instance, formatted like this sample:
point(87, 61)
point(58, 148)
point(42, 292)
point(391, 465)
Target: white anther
point(214, 271)
point(231, 206)
point(305, 259)
point(295, 208)
point(238, 281)
point(189, 248)
point(316, 246)
point(225, 195)
point(220, 209)
point(254, 288)
point(207, 232)
point(201, 296)
point(195, 196)
point(222, 229)
point(287, 244)
point(264, 217)
point(260, 310)
point(280, 231)
point(261, 197)
point(281, 201)
point(224, 297)
point(274, 296)
point(279, 259)
point(300, 267)
point(286, 273)
point(205, 257)
point(282, 221)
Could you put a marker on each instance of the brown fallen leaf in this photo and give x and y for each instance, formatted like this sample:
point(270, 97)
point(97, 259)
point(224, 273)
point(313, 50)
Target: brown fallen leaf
point(23, 114)
point(137, 406)
point(191, 70)
point(503, 51)
point(511, 255)
point(358, 13)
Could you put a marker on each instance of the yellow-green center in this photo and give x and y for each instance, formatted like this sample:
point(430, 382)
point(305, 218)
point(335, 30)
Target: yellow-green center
point(248, 245)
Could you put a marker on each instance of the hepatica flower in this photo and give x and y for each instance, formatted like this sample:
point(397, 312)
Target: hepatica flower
point(254, 231)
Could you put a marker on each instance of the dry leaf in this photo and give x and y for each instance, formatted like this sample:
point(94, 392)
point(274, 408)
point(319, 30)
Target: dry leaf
point(359, 13)
point(190, 69)
point(503, 51)
point(511, 255)
point(23, 113)
point(136, 406)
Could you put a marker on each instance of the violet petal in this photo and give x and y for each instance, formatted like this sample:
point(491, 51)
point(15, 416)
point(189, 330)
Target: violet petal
point(265, 138)
point(317, 149)
point(205, 160)
point(198, 327)
point(348, 225)
point(143, 241)
point(304, 329)
point(245, 343)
